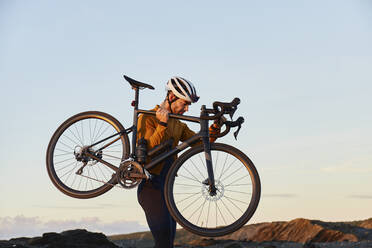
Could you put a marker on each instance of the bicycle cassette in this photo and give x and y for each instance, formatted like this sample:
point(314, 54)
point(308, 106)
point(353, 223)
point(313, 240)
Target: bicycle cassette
point(130, 174)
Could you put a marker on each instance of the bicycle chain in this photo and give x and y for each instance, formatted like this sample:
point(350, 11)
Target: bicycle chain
point(114, 185)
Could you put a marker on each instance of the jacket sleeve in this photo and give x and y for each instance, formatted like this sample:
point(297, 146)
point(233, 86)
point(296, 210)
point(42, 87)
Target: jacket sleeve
point(187, 133)
point(149, 128)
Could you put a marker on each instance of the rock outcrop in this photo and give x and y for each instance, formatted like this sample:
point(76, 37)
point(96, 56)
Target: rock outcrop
point(69, 239)
point(298, 230)
point(366, 224)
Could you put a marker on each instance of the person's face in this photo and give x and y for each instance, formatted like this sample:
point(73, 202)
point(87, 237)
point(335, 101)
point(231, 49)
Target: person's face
point(180, 106)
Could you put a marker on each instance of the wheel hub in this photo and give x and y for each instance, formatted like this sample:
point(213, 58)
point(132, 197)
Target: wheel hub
point(213, 194)
point(80, 153)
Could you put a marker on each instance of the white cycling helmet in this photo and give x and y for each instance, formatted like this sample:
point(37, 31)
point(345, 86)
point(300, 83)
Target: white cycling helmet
point(183, 89)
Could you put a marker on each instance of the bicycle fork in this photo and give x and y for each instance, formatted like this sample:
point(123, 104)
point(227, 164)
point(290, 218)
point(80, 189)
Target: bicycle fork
point(204, 132)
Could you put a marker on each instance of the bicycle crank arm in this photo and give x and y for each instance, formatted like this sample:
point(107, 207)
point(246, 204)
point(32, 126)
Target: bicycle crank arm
point(136, 175)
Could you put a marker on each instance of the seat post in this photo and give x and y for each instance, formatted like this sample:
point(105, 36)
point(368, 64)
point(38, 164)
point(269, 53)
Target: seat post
point(135, 121)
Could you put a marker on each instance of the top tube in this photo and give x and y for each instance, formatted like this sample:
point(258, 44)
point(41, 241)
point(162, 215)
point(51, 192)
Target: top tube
point(181, 117)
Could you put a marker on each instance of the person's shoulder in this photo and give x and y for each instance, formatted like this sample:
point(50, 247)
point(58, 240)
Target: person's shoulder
point(148, 117)
point(180, 124)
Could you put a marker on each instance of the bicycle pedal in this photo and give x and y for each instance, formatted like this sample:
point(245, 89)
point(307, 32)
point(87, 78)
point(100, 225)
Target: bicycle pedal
point(147, 174)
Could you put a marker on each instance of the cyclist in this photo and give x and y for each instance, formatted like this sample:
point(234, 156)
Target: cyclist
point(181, 94)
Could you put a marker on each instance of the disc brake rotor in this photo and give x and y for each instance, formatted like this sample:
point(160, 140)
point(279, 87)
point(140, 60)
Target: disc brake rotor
point(220, 190)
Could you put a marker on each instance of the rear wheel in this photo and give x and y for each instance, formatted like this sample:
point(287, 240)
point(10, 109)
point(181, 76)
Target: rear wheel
point(67, 149)
point(196, 207)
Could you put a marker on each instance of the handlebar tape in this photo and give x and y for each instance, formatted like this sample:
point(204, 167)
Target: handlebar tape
point(226, 105)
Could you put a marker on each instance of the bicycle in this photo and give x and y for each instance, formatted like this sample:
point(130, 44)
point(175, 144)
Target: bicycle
point(212, 189)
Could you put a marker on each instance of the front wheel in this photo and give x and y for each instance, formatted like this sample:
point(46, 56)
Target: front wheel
point(70, 169)
point(196, 207)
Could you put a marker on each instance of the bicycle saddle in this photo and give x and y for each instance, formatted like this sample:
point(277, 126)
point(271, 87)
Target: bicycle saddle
point(137, 84)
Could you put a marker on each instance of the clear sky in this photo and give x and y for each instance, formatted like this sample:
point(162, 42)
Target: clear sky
point(301, 68)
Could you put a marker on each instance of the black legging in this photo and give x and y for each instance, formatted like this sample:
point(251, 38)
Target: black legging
point(150, 196)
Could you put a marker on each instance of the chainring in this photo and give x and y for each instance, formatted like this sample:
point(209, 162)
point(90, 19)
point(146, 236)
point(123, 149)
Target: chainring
point(130, 174)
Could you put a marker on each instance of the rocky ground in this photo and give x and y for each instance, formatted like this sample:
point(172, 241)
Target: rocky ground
point(298, 233)
point(295, 233)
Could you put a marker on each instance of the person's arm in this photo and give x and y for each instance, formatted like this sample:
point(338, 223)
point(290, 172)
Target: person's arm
point(150, 128)
point(187, 133)
point(214, 130)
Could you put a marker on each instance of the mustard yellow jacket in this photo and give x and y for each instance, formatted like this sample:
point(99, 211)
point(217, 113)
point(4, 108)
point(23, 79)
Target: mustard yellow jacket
point(149, 128)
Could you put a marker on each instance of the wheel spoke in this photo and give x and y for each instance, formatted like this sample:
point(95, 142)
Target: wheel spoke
point(219, 210)
point(196, 210)
point(237, 180)
point(228, 209)
point(215, 162)
point(196, 167)
point(100, 134)
point(68, 172)
point(57, 149)
point(78, 134)
point(63, 154)
point(231, 201)
point(95, 137)
point(209, 208)
point(241, 192)
point(223, 167)
point(190, 204)
point(188, 197)
point(68, 159)
point(64, 167)
point(189, 178)
point(189, 185)
point(202, 161)
point(228, 168)
point(232, 173)
point(201, 211)
point(66, 145)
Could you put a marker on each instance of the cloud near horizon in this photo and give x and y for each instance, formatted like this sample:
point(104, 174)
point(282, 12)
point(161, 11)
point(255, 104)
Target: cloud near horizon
point(361, 196)
point(280, 195)
point(21, 226)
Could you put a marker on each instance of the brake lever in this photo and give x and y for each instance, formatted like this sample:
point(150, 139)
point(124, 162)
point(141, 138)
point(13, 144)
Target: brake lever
point(232, 112)
point(239, 121)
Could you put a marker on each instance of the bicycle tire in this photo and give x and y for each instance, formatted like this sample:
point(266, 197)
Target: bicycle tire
point(180, 192)
point(61, 161)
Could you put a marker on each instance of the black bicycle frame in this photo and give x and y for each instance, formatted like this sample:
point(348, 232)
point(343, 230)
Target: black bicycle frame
point(202, 135)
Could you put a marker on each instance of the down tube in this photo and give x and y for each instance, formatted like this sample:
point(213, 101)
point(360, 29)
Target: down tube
point(175, 150)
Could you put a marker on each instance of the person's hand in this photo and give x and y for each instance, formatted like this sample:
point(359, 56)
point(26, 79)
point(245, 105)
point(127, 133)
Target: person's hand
point(214, 130)
point(162, 114)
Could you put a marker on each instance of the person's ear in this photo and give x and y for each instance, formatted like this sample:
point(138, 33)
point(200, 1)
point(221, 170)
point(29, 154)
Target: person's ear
point(172, 97)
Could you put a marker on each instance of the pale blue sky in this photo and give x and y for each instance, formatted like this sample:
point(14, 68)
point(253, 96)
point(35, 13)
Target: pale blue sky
point(301, 68)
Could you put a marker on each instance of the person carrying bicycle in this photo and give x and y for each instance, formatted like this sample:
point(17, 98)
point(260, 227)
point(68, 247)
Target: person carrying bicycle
point(155, 130)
